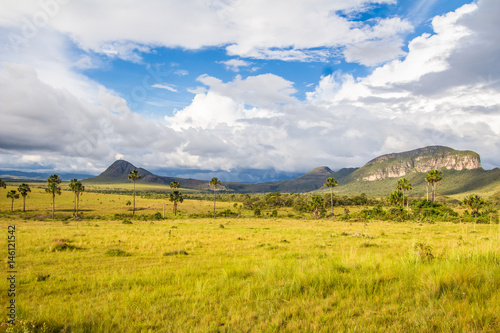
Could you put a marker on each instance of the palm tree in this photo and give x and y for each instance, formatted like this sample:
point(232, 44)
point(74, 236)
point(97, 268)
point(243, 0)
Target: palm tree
point(175, 196)
point(133, 176)
point(474, 202)
point(215, 182)
point(317, 202)
point(76, 186)
point(331, 183)
point(434, 177)
point(12, 195)
point(396, 197)
point(2, 183)
point(404, 185)
point(53, 188)
point(23, 190)
point(428, 182)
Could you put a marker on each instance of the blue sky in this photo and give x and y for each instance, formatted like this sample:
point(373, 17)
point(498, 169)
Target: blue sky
point(250, 84)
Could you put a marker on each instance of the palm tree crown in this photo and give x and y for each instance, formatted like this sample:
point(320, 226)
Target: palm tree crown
point(215, 182)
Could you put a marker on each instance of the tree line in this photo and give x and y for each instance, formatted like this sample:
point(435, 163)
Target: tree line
point(317, 204)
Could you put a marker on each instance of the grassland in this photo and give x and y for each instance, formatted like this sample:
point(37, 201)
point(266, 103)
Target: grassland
point(245, 274)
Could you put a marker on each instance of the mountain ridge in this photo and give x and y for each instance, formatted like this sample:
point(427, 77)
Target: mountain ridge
point(367, 179)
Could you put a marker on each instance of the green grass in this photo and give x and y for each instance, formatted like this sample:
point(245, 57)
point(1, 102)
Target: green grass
point(257, 275)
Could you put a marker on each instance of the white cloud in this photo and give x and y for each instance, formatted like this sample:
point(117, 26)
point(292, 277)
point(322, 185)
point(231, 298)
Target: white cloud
point(249, 28)
point(371, 53)
point(164, 86)
point(235, 64)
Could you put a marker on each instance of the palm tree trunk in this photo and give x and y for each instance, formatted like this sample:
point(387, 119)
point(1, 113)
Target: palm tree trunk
point(214, 203)
point(77, 204)
point(175, 208)
point(403, 199)
point(53, 204)
point(331, 199)
point(133, 209)
point(24, 203)
point(12, 207)
point(427, 188)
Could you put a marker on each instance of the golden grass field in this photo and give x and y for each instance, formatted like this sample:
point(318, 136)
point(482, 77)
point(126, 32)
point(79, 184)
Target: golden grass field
point(244, 274)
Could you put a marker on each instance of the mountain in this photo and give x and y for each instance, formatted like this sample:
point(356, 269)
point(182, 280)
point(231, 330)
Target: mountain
point(117, 173)
point(462, 173)
point(39, 176)
point(311, 181)
point(417, 161)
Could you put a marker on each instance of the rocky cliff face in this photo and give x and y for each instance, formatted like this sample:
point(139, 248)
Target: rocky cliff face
point(420, 160)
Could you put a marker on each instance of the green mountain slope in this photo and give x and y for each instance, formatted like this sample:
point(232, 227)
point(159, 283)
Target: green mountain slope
point(462, 172)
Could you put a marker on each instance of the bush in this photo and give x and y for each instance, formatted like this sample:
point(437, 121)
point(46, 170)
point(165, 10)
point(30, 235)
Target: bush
point(117, 253)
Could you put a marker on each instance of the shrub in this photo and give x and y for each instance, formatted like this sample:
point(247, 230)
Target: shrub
point(176, 252)
point(117, 253)
point(424, 251)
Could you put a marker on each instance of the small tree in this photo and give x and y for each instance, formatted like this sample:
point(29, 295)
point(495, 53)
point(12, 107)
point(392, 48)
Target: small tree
point(395, 198)
point(215, 182)
point(331, 183)
point(77, 187)
point(133, 176)
point(12, 194)
point(175, 196)
point(23, 190)
point(53, 188)
point(474, 203)
point(317, 202)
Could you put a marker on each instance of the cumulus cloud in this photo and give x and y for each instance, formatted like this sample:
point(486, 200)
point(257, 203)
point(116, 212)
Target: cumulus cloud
point(249, 28)
point(445, 90)
point(437, 94)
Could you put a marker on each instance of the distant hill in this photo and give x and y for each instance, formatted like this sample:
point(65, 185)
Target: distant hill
point(462, 173)
point(38, 176)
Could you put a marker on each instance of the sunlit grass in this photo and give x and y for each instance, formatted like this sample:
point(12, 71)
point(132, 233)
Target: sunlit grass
point(257, 275)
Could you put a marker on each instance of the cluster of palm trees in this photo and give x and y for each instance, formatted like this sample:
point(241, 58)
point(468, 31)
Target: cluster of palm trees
point(53, 188)
point(176, 196)
point(433, 178)
point(12, 194)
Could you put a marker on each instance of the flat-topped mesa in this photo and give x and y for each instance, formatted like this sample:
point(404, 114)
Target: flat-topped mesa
point(419, 161)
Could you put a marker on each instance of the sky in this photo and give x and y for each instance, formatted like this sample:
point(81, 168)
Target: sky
point(283, 85)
